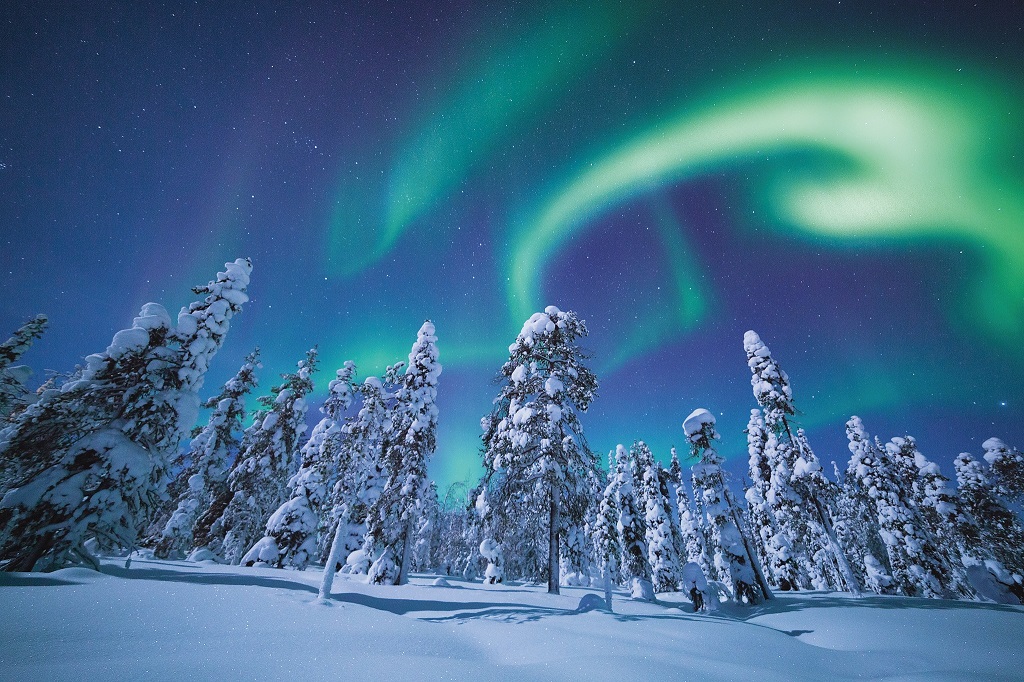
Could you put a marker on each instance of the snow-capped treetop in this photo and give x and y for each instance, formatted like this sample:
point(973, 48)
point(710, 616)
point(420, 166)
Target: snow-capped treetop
point(418, 394)
point(541, 324)
point(14, 347)
point(203, 324)
point(643, 458)
point(969, 474)
point(1008, 467)
point(694, 425)
point(339, 392)
point(994, 449)
point(769, 382)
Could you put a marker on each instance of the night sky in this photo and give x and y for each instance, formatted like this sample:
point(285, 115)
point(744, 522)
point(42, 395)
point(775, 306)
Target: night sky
point(846, 178)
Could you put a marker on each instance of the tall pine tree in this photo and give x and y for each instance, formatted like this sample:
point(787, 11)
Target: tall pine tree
point(534, 446)
point(391, 522)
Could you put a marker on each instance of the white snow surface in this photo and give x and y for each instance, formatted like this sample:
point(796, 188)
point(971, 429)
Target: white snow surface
point(175, 620)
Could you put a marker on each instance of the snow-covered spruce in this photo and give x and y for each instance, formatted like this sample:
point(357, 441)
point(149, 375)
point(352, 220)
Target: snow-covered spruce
point(427, 539)
point(691, 525)
point(94, 454)
point(208, 457)
point(607, 547)
point(797, 492)
point(992, 535)
point(936, 567)
point(534, 448)
point(391, 521)
point(857, 521)
point(1007, 466)
point(632, 527)
point(734, 564)
point(14, 378)
point(661, 553)
point(771, 547)
point(899, 528)
point(937, 504)
point(291, 533)
point(669, 481)
point(269, 448)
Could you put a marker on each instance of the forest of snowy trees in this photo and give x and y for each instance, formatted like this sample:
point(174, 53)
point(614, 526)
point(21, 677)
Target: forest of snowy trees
point(108, 459)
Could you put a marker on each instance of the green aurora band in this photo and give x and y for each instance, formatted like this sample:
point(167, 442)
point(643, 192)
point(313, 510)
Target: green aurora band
point(500, 92)
point(920, 156)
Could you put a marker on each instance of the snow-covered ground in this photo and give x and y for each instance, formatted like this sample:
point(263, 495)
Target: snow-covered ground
point(179, 620)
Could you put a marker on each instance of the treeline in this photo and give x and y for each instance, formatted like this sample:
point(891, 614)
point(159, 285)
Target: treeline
point(93, 462)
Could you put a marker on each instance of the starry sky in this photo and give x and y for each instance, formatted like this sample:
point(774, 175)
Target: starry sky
point(846, 178)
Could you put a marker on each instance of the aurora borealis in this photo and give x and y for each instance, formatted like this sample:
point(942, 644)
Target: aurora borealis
point(847, 179)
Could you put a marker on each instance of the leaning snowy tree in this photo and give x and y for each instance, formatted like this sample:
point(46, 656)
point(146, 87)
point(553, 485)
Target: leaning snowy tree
point(534, 444)
point(93, 455)
point(205, 476)
point(796, 494)
point(391, 521)
point(260, 476)
point(290, 539)
point(735, 560)
point(13, 378)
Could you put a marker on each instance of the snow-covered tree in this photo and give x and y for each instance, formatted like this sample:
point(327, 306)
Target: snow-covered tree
point(392, 518)
point(290, 540)
point(427, 537)
point(534, 447)
point(209, 457)
point(1007, 469)
point(632, 528)
point(991, 533)
point(360, 475)
point(661, 555)
point(733, 562)
point(770, 544)
point(669, 481)
point(607, 547)
point(936, 506)
point(883, 479)
point(797, 491)
point(263, 467)
point(691, 527)
point(13, 378)
point(93, 456)
point(857, 524)
point(917, 566)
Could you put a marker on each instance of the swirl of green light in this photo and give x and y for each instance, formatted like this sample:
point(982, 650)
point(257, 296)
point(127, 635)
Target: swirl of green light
point(924, 157)
point(500, 89)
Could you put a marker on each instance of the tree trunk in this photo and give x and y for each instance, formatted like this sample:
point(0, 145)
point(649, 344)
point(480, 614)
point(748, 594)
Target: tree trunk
point(330, 568)
point(608, 587)
point(553, 567)
point(406, 556)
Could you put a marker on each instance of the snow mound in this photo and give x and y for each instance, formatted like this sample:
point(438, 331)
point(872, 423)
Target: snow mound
point(591, 602)
point(202, 554)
